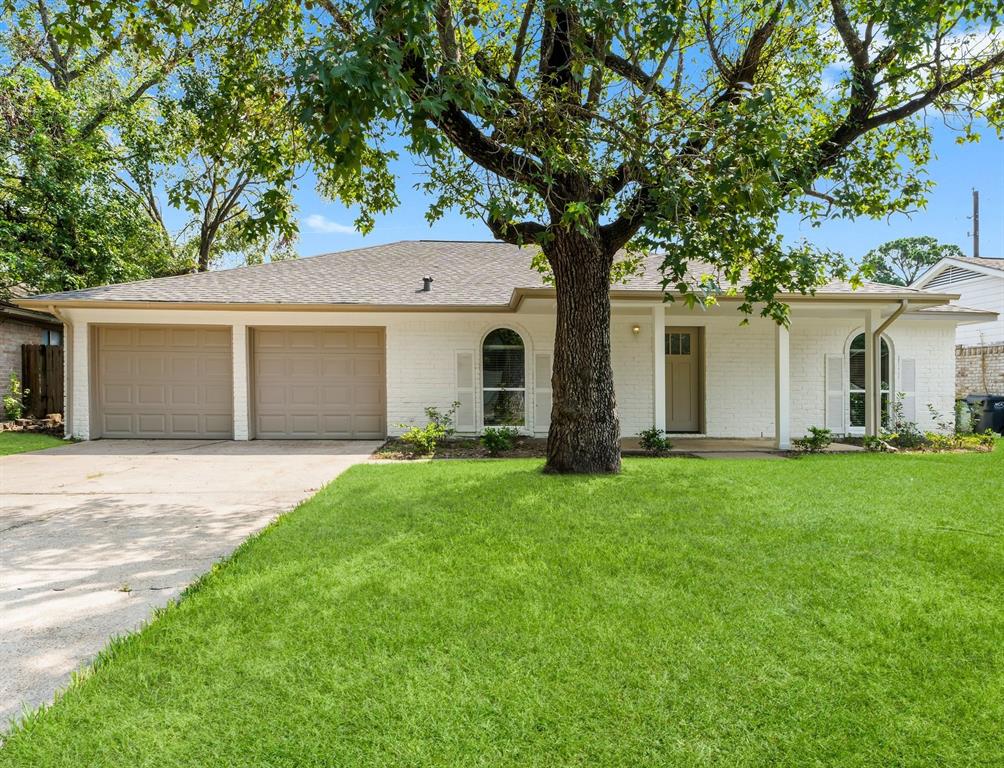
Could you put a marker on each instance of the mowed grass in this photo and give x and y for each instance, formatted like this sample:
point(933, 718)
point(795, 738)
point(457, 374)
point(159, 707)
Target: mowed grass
point(835, 610)
point(22, 442)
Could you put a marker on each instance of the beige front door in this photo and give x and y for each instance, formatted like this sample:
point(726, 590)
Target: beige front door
point(319, 383)
point(171, 381)
point(683, 365)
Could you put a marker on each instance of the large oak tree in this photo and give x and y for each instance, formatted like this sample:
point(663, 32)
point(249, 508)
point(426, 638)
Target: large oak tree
point(590, 127)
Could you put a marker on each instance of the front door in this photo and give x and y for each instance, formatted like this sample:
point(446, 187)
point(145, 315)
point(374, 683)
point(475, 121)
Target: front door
point(683, 397)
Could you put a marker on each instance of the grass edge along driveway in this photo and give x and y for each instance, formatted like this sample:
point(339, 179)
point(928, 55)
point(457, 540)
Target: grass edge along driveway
point(834, 610)
point(23, 442)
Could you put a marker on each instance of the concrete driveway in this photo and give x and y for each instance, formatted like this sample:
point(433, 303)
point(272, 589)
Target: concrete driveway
point(94, 536)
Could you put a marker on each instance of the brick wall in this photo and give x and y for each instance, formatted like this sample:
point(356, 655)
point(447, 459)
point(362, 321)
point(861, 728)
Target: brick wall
point(979, 370)
point(12, 335)
point(739, 397)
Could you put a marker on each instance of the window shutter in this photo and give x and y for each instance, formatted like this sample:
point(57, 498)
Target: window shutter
point(908, 387)
point(835, 393)
point(542, 391)
point(465, 421)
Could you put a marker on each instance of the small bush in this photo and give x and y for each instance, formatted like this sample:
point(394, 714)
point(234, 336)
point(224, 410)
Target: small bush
point(422, 441)
point(965, 418)
point(904, 433)
point(498, 440)
point(13, 401)
point(816, 441)
point(874, 443)
point(654, 441)
point(939, 442)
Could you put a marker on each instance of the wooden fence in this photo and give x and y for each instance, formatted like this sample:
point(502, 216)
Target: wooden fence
point(42, 379)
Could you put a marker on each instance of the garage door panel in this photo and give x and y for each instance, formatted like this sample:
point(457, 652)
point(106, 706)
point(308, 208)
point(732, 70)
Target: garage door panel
point(184, 367)
point(316, 383)
point(152, 337)
point(368, 367)
point(217, 422)
point(115, 364)
point(151, 423)
point(337, 367)
point(368, 396)
point(151, 367)
point(368, 427)
point(164, 381)
point(185, 422)
point(219, 395)
point(337, 397)
point(368, 339)
point(151, 394)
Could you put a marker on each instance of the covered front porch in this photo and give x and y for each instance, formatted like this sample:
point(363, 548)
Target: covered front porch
point(830, 366)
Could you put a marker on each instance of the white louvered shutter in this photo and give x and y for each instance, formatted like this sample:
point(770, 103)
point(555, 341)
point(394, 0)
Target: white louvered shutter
point(465, 419)
point(908, 387)
point(542, 391)
point(835, 393)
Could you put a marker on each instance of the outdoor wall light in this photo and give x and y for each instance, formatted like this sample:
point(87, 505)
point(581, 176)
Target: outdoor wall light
point(636, 329)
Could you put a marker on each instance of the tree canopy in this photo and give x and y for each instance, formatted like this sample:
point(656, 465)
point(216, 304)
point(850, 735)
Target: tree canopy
point(901, 261)
point(115, 111)
point(685, 126)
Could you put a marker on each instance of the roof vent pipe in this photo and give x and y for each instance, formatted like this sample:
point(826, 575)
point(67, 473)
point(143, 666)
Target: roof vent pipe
point(426, 283)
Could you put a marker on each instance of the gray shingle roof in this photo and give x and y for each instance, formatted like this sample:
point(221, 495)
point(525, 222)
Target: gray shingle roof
point(464, 274)
point(989, 263)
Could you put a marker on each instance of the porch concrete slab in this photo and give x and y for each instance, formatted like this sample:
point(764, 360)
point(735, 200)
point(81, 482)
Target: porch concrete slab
point(95, 536)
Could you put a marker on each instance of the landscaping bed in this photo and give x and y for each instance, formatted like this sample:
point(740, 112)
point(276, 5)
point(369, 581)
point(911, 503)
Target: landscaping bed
point(463, 448)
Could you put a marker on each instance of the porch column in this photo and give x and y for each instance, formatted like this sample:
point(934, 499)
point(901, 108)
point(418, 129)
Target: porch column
point(871, 373)
point(659, 364)
point(242, 421)
point(782, 389)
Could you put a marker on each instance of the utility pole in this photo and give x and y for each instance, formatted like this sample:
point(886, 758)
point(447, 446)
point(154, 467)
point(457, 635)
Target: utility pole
point(976, 223)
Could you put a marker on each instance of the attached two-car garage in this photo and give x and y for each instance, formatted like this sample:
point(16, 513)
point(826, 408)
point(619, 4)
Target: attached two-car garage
point(158, 381)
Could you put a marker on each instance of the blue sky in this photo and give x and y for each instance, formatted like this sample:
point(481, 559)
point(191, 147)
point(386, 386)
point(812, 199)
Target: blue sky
point(327, 226)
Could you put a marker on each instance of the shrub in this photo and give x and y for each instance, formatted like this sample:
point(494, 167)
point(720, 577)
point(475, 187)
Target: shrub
point(13, 401)
point(816, 441)
point(498, 440)
point(904, 433)
point(443, 419)
point(939, 442)
point(874, 443)
point(654, 441)
point(422, 441)
point(965, 418)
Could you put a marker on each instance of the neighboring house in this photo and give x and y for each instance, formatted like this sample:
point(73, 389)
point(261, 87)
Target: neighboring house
point(355, 344)
point(979, 282)
point(20, 326)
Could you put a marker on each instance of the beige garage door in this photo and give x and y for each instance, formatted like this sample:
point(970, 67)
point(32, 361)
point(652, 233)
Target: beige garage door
point(164, 381)
point(314, 383)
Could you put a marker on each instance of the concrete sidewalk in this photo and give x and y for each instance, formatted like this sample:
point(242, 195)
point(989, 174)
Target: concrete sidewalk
point(94, 536)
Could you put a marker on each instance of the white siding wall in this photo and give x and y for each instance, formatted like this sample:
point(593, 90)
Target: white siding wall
point(739, 362)
point(981, 293)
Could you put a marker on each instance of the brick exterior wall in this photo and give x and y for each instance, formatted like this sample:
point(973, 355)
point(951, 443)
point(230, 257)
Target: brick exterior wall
point(979, 370)
point(422, 348)
point(12, 335)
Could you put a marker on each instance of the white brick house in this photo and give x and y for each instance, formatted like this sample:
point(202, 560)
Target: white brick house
point(355, 344)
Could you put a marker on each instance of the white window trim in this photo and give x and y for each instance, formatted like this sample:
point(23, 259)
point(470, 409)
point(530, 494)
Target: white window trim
point(526, 427)
point(891, 392)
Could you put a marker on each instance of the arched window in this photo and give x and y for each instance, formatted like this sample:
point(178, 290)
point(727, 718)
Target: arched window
point(504, 378)
point(856, 362)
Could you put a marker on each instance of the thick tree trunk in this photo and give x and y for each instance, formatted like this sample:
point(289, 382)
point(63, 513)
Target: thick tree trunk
point(584, 434)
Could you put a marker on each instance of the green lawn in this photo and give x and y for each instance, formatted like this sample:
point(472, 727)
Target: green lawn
point(22, 442)
point(827, 611)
